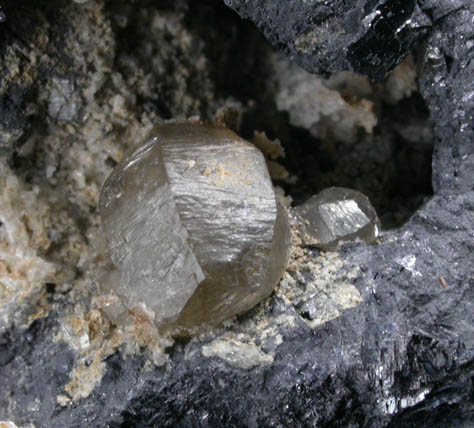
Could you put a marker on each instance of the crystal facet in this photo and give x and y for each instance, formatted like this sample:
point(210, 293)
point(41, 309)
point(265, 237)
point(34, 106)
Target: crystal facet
point(193, 225)
point(337, 214)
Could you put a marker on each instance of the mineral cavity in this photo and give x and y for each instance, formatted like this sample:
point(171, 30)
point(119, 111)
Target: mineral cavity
point(337, 214)
point(193, 226)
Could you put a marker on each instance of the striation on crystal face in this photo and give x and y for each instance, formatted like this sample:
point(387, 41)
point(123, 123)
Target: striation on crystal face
point(337, 214)
point(193, 225)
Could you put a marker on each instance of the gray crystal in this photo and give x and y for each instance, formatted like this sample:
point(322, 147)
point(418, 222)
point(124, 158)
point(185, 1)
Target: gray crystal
point(337, 214)
point(193, 226)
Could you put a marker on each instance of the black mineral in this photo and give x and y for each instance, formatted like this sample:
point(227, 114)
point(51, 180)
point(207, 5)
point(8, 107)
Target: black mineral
point(366, 36)
point(402, 357)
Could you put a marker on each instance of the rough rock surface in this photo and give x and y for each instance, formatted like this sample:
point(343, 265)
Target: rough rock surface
point(367, 36)
point(370, 336)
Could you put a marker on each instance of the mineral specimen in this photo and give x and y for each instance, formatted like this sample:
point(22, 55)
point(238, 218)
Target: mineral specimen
point(366, 36)
point(337, 214)
point(193, 226)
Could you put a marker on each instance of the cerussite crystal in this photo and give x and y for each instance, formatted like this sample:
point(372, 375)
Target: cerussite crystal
point(337, 214)
point(193, 225)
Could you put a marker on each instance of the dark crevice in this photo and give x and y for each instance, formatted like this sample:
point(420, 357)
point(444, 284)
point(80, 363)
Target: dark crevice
point(397, 178)
point(392, 168)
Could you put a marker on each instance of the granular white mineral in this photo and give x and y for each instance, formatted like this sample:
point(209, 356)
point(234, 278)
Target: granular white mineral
point(194, 228)
point(337, 214)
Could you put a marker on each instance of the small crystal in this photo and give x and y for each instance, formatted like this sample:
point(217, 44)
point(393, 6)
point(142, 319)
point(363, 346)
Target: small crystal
point(337, 214)
point(193, 226)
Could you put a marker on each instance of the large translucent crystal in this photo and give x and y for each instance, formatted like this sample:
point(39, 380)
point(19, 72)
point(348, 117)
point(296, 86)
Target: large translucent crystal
point(193, 226)
point(337, 214)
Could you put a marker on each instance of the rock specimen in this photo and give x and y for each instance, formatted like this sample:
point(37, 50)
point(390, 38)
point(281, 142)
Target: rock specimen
point(402, 357)
point(337, 214)
point(193, 226)
point(366, 36)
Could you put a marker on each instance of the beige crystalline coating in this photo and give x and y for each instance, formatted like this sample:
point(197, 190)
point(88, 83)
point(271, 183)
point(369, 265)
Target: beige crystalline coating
point(193, 225)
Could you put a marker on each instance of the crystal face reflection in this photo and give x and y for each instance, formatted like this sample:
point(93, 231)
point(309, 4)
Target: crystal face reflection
point(193, 226)
point(337, 214)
